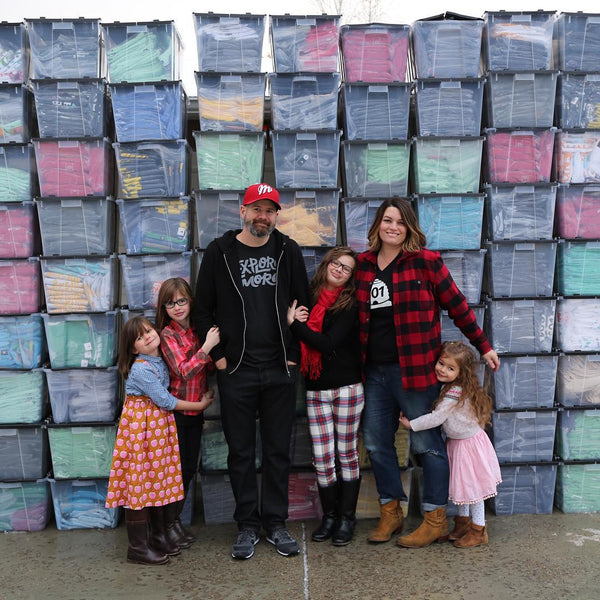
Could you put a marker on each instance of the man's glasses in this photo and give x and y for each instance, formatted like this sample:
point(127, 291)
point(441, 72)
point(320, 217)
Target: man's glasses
point(338, 265)
point(172, 303)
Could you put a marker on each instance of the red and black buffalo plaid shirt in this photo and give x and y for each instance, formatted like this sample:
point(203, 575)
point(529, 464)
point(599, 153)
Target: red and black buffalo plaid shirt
point(422, 285)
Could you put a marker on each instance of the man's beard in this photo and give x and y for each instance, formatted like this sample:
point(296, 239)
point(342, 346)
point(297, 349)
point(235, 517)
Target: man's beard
point(259, 232)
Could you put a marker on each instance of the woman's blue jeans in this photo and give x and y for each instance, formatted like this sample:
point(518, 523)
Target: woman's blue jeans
point(384, 399)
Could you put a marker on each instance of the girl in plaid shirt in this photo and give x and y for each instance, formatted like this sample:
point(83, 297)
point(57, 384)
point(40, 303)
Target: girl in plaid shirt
point(189, 366)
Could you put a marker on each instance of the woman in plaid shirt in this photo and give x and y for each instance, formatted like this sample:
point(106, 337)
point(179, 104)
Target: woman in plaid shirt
point(401, 286)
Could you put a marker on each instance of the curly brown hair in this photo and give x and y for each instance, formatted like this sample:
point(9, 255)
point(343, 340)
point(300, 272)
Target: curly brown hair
point(167, 292)
point(466, 360)
point(131, 331)
point(347, 298)
point(415, 238)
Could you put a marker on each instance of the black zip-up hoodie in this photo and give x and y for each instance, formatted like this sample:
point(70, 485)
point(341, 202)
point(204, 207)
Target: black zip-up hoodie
point(218, 298)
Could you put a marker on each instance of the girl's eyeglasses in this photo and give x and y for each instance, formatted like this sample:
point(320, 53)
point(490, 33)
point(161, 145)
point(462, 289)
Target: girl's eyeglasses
point(172, 303)
point(338, 265)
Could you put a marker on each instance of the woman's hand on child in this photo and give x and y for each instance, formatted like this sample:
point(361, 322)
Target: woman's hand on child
point(212, 339)
point(207, 399)
point(404, 421)
point(298, 313)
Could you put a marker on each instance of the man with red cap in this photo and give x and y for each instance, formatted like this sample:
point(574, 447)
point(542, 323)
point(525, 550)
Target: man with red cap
point(247, 280)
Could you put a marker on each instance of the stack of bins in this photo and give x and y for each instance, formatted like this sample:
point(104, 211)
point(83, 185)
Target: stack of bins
point(375, 104)
point(305, 140)
point(24, 491)
point(76, 218)
point(230, 157)
point(578, 262)
point(521, 254)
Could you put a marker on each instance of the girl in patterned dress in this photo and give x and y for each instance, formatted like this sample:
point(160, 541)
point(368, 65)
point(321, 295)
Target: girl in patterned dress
point(463, 409)
point(145, 475)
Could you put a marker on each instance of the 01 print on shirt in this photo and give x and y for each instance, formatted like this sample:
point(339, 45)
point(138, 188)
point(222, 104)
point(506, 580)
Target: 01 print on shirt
point(380, 295)
point(258, 272)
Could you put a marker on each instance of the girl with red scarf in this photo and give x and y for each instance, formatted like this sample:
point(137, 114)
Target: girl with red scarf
point(331, 367)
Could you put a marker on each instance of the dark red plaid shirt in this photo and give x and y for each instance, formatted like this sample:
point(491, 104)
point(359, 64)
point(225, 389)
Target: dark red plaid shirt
point(422, 285)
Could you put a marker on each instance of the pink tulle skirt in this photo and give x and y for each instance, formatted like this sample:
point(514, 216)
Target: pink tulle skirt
point(474, 469)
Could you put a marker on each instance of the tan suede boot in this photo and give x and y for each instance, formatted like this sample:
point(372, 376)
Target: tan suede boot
point(390, 522)
point(476, 536)
point(433, 528)
point(461, 526)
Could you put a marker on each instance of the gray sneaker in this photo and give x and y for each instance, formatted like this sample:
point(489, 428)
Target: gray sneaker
point(282, 540)
point(244, 544)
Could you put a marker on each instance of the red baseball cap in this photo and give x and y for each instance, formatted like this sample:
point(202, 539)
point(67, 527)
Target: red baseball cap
point(261, 191)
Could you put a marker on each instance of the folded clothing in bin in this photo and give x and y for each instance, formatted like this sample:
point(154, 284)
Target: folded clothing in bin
point(20, 286)
point(578, 156)
point(16, 167)
point(578, 211)
point(22, 396)
point(24, 505)
point(17, 230)
point(578, 380)
point(578, 324)
point(22, 342)
point(13, 53)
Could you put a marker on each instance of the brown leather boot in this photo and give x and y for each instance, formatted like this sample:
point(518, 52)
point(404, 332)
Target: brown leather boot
point(159, 538)
point(476, 536)
point(461, 526)
point(171, 514)
point(139, 550)
point(434, 528)
point(390, 522)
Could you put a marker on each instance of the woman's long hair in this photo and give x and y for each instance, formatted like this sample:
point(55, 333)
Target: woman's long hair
point(167, 292)
point(415, 238)
point(466, 360)
point(347, 296)
point(132, 330)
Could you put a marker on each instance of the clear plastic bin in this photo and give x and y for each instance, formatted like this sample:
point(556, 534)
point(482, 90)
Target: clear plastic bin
point(76, 226)
point(309, 216)
point(229, 161)
point(143, 275)
point(83, 395)
point(312, 258)
point(14, 57)
point(141, 52)
point(153, 169)
point(451, 222)
point(519, 41)
point(578, 211)
point(81, 340)
point(369, 507)
point(229, 43)
point(449, 107)
point(303, 495)
point(447, 47)
point(20, 289)
point(16, 173)
point(79, 504)
point(578, 433)
point(578, 268)
point(79, 284)
point(15, 110)
point(517, 269)
point(306, 159)
point(451, 333)
point(578, 41)
point(300, 444)
point(304, 100)
point(23, 396)
point(216, 213)
point(74, 168)
point(577, 380)
point(64, 48)
point(23, 452)
point(525, 489)
point(577, 156)
point(519, 156)
point(82, 450)
point(578, 324)
point(524, 436)
point(19, 236)
point(214, 449)
point(358, 214)
point(376, 111)
point(305, 43)
point(231, 101)
point(22, 342)
point(578, 488)
point(466, 268)
point(70, 108)
point(217, 498)
point(376, 168)
point(155, 225)
point(375, 53)
point(578, 101)
point(447, 165)
point(521, 326)
point(521, 99)
point(520, 212)
point(148, 111)
point(25, 505)
point(525, 381)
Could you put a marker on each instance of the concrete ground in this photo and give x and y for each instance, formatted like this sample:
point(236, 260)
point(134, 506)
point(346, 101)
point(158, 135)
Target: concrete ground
point(541, 557)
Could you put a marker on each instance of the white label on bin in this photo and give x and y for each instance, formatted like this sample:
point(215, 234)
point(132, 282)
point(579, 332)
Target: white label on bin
point(526, 360)
point(62, 25)
point(524, 304)
point(87, 347)
point(592, 77)
point(7, 432)
point(84, 363)
point(451, 200)
point(306, 194)
point(87, 355)
point(137, 29)
point(83, 483)
point(526, 415)
point(524, 247)
point(592, 413)
point(70, 203)
point(143, 89)
point(451, 84)
point(377, 146)
point(594, 358)
point(378, 89)
point(455, 143)
point(593, 245)
point(306, 136)
point(67, 85)
point(82, 430)
point(231, 79)
point(181, 232)
point(68, 144)
point(303, 22)
point(520, 18)
point(524, 76)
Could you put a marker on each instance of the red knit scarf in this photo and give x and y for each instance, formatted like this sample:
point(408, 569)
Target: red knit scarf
point(310, 364)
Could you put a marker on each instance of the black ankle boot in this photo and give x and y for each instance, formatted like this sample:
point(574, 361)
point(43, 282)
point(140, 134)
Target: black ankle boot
point(348, 499)
point(328, 496)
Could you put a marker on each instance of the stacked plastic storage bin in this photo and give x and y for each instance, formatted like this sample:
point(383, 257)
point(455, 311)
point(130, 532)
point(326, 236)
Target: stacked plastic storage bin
point(521, 254)
point(578, 262)
point(24, 491)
